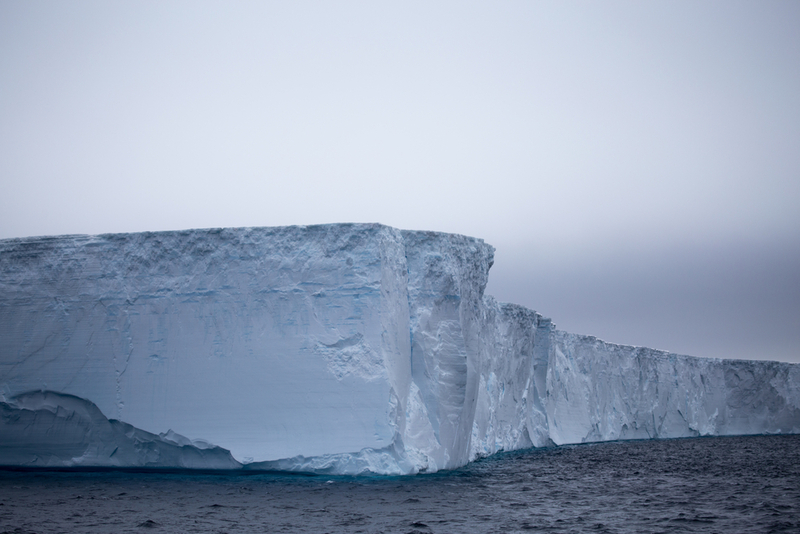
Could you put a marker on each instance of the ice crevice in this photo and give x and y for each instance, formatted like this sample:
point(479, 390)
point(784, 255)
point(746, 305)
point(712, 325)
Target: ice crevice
point(341, 349)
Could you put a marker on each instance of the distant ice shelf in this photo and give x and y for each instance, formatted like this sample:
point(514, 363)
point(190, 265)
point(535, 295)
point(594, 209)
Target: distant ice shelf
point(341, 349)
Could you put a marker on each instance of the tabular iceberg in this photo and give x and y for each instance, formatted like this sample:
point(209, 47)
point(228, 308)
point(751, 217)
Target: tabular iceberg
point(345, 349)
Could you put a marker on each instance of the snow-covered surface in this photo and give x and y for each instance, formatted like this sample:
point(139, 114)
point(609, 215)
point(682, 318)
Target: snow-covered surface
point(336, 348)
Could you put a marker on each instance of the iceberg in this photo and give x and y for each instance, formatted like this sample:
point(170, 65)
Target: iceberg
point(343, 349)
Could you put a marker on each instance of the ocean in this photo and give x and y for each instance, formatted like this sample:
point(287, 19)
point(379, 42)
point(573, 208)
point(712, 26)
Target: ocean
point(722, 484)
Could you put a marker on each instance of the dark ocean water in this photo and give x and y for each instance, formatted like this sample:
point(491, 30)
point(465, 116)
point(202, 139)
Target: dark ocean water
point(734, 484)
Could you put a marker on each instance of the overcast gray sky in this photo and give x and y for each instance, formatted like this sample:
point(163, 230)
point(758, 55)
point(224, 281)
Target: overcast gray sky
point(636, 164)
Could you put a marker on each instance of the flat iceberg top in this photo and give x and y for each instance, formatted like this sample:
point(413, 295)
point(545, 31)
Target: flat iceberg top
point(339, 348)
point(328, 232)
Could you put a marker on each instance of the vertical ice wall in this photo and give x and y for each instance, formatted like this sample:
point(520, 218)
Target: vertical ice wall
point(580, 389)
point(601, 391)
point(447, 275)
point(269, 342)
point(335, 348)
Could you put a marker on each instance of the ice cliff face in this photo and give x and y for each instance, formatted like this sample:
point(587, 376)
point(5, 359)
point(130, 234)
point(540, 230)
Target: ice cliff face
point(336, 348)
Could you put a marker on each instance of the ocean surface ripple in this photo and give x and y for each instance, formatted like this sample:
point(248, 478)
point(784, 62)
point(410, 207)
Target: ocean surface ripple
point(730, 484)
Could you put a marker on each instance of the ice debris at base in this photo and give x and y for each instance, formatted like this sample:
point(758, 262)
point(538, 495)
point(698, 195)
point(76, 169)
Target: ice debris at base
point(337, 349)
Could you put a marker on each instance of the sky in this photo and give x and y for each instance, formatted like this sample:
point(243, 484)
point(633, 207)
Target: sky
point(635, 164)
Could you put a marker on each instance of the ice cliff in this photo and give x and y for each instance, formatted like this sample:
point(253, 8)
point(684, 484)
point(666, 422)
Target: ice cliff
point(338, 348)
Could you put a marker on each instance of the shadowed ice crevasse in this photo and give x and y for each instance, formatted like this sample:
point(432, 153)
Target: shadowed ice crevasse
point(346, 349)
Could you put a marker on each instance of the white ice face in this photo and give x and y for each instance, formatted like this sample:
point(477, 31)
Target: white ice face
point(335, 348)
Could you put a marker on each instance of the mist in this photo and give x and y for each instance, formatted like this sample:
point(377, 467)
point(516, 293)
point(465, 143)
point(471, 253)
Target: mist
point(634, 164)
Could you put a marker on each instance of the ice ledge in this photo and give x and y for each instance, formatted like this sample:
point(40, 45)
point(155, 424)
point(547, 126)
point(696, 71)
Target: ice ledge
point(51, 429)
